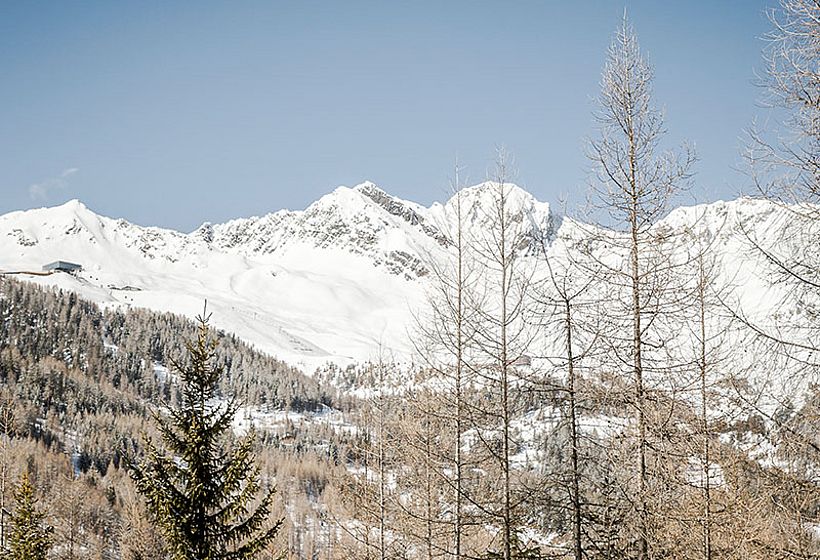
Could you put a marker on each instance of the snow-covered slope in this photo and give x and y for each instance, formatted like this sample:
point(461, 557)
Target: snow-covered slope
point(337, 281)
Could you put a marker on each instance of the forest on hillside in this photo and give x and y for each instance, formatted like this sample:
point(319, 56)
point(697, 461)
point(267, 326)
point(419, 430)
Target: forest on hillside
point(612, 391)
point(77, 388)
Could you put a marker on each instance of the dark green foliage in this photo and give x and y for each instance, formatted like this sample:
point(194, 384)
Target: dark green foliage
point(30, 538)
point(202, 489)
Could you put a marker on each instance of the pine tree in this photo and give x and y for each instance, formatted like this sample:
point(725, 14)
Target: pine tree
point(201, 489)
point(30, 537)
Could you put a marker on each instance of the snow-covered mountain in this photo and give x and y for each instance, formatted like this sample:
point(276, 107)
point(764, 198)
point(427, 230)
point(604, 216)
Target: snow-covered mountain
point(338, 281)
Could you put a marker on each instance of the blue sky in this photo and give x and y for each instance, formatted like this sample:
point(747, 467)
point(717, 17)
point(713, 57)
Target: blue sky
point(173, 114)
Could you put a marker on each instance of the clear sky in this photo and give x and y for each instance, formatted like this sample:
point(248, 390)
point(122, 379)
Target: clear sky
point(173, 114)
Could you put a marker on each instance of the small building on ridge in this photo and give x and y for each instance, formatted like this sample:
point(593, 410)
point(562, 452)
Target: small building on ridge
point(62, 266)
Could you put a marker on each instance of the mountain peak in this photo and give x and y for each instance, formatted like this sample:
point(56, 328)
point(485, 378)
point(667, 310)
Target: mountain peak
point(479, 200)
point(490, 188)
point(74, 204)
point(71, 214)
point(311, 285)
point(69, 210)
point(367, 186)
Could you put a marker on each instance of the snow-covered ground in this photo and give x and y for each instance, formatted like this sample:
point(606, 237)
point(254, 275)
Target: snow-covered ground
point(284, 421)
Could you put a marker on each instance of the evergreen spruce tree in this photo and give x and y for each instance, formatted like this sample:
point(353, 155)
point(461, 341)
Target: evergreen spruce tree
point(30, 537)
point(202, 487)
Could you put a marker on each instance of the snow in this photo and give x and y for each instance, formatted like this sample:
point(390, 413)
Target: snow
point(713, 477)
point(163, 374)
point(303, 303)
point(340, 281)
point(277, 420)
point(336, 282)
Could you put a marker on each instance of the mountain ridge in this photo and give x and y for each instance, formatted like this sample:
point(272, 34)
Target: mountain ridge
point(338, 281)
